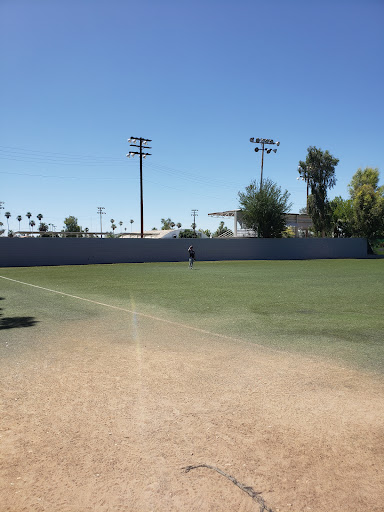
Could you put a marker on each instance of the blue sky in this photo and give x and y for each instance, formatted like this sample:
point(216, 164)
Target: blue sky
point(198, 78)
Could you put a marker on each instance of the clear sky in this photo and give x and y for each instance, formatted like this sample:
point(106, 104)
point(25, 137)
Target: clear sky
point(79, 77)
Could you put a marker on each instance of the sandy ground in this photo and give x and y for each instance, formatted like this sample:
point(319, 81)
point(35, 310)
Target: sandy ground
point(94, 420)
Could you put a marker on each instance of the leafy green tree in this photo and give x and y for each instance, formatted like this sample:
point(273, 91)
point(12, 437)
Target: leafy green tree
point(319, 171)
point(207, 232)
point(43, 226)
point(341, 217)
point(368, 204)
point(220, 230)
point(187, 233)
point(369, 213)
point(289, 232)
point(264, 209)
point(71, 225)
point(368, 176)
point(166, 223)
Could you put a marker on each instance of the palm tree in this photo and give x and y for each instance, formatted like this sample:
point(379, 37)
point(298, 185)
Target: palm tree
point(165, 223)
point(19, 218)
point(29, 215)
point(32, 223)
point(121, 223)
point(113, 226)
point(7, 214)
point(40, 216)
point(131, 221)
point(178, 225)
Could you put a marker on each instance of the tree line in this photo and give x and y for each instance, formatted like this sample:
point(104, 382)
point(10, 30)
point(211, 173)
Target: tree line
point(264, 206)
point(42, 226)
point(361, 215)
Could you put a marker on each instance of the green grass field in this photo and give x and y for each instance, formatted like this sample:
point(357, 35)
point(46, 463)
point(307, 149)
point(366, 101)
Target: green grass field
point(331, 308)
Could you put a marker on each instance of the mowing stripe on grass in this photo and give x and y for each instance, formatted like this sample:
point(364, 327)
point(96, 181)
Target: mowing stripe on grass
point(170, 322)
point(184, 326)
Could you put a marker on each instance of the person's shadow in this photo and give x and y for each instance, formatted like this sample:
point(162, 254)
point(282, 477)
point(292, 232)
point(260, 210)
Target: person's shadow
point(11, 322)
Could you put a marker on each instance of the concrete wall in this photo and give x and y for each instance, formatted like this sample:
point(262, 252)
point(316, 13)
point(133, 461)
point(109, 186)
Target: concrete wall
point(26, 252)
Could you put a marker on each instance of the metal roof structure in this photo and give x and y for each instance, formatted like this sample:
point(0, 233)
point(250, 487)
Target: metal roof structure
point(298, 221)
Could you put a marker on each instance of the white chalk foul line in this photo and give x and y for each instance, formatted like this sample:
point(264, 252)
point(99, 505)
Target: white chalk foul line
point(158, 319)
point(145, 315)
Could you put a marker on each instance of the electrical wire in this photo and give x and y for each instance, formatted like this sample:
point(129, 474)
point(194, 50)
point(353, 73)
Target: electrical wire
point(35, 157)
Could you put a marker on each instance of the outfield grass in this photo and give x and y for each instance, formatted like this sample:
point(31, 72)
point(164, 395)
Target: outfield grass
point(332, 308)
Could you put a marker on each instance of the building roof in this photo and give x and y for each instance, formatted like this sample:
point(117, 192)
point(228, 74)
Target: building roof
point(228, 213)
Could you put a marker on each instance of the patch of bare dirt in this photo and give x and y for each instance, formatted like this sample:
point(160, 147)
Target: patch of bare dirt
point(96, 419)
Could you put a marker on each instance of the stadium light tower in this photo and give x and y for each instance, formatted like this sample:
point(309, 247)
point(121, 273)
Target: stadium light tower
point(304, 177)
point(262, 149)
point(142, 142)
point(100, 212)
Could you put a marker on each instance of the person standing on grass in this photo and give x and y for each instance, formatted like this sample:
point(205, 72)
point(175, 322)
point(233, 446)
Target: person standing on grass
point(191, 253)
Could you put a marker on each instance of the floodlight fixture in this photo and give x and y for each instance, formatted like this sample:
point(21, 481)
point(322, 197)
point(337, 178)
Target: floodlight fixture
point(263, 142)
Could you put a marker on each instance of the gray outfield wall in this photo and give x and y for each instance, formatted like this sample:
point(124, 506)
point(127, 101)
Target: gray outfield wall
point(28, 252)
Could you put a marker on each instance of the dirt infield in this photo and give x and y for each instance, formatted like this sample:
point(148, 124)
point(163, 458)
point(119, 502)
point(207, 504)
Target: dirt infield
point(104, 419)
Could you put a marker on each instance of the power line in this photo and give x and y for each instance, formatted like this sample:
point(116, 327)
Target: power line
point(31, 154)
point(65, 177)
point(35, 157)
point(175, 173)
